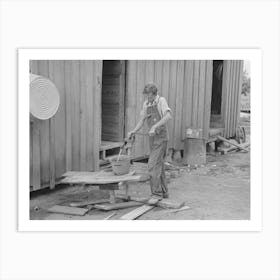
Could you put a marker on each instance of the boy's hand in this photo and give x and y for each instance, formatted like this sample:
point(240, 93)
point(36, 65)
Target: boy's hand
point(130, 134)
point(152, 131)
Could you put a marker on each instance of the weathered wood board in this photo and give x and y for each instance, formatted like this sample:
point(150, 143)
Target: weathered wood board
point(137, 212)
point(241, 147)
point(98, 178)
point(68, 210)
point(89, 202)
point(115, 206)
point(164, 203)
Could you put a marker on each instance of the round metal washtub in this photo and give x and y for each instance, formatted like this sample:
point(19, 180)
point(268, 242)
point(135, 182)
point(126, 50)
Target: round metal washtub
point(44, 97)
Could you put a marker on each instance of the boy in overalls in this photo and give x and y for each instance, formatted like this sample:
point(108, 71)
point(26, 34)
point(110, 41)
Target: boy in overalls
point(157, 113)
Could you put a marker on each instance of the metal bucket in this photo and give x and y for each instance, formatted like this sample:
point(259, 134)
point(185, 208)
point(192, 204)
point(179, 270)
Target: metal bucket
point(121, 166)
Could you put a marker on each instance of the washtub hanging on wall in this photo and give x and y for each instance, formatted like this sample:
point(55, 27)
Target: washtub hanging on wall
point(44, 97)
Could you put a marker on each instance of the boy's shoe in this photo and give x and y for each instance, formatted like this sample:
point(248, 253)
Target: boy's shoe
point(161, 195)
point(154, 199)
point(165, 195)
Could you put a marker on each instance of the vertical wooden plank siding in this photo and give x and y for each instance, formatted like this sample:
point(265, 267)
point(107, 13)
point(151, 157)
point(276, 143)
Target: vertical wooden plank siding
point(130, 97)
point(239, 90)
point(139, 103)
point(69, 98)
point(57, 75)
point(72, 80)
point(42, 126)
point(71, 139)
point(201, 94)
point(36, 172)
point(52, 153)
point(231, 90)
point(30, 155)
point(231, 95)
point(122, 99)
point(195, 94)
point(186, 85)
point(234, 105)
point(225, 86)
point(165, 79)
point(89, 82)
point(83, 119)
point(172, 100)
point(158, 65)
point(96, 107)
point(234, 97)
point(150, 75)
point(208, 96)
point(165, 83)
point(43, 69)
point(188, 96)
point(226, 94)
point(178, 144)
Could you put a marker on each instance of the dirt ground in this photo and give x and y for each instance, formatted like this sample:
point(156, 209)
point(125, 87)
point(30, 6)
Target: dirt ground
point(220, 190)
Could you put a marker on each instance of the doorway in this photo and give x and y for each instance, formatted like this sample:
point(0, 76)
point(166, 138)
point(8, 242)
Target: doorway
point(216, 101)
point(113, 106)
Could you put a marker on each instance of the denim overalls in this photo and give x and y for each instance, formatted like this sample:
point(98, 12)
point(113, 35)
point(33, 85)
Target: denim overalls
point(158, 147)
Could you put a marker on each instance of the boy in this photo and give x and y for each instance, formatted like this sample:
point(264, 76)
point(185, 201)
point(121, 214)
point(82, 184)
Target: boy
point(157, 113)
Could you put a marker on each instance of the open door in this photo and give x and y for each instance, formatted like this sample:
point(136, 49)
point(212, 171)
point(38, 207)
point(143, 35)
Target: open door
point(113, 98)
point(216, 100)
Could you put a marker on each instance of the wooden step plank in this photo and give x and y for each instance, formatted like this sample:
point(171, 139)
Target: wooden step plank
point(108, 145)
point(89, 202)
point(100, 181)
point(137, 212)
point(97, 174)
point(68, 210)
point(115, 206)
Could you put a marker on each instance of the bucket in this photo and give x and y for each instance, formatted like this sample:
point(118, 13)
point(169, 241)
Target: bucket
point(121, 166)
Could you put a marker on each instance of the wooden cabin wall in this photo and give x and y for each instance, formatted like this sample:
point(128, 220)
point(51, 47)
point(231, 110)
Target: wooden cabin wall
point(76, 126)
point(186, 85)
point(231, 94)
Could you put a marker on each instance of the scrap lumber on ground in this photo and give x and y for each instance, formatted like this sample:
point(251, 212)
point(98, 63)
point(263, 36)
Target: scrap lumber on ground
point(180, 209)
point(115, 206)
point(89, 202)
point(110, 216)
point(68, 210)
point(163, 203)
point(237, 145)
point(137, 212)
point(244, 145)
point(169, 204)
point(170, 166)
